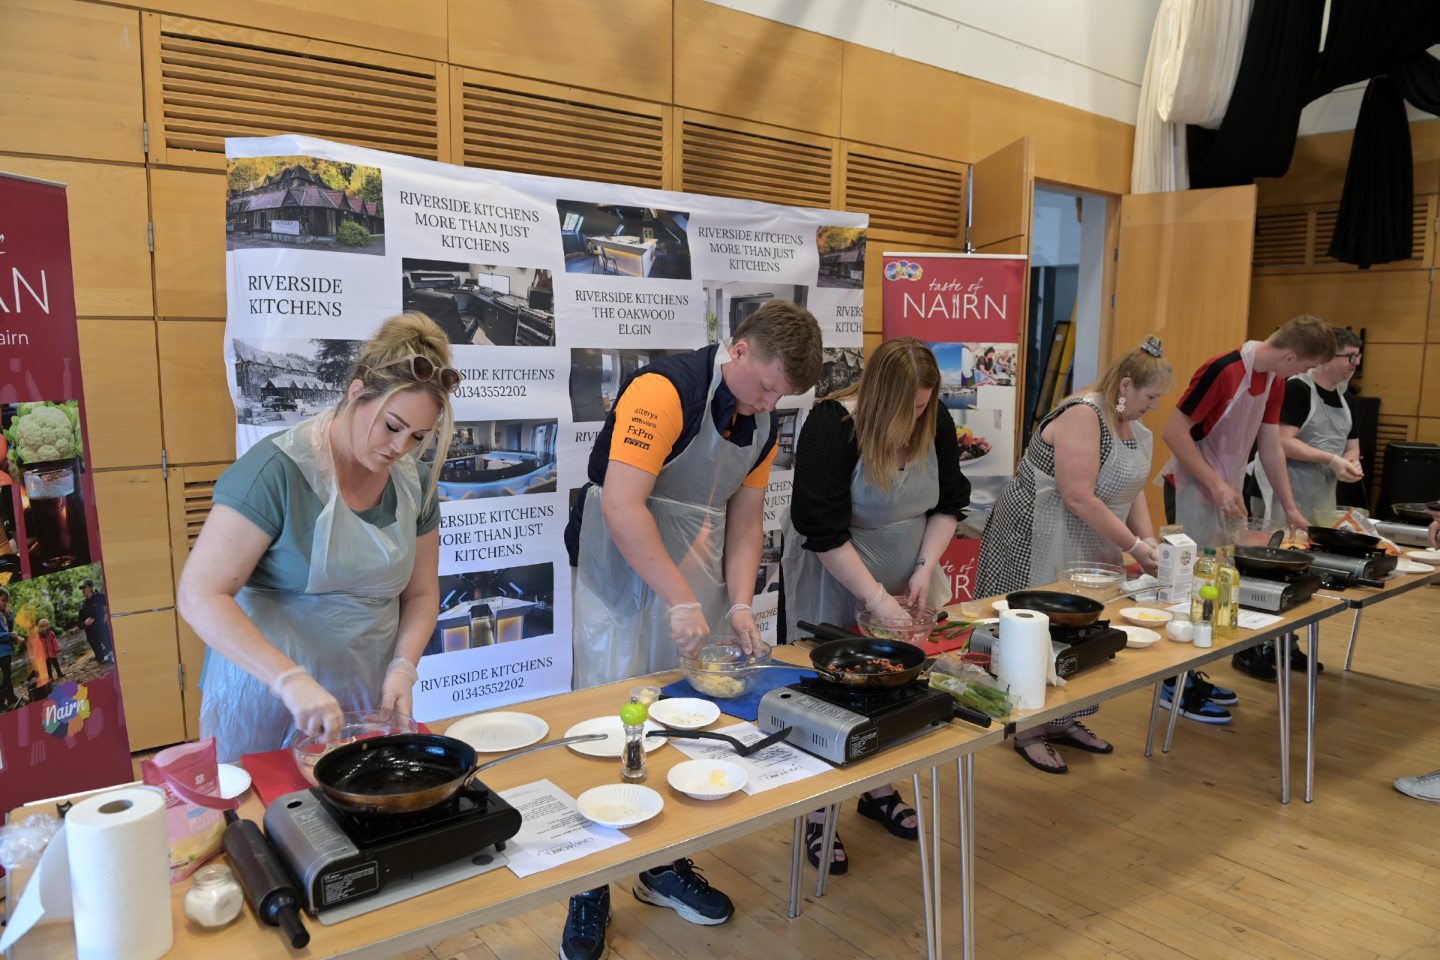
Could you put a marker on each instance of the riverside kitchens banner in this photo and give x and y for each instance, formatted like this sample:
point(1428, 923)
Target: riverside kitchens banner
point(62, 728)
point(552, 292)
point(970, 308)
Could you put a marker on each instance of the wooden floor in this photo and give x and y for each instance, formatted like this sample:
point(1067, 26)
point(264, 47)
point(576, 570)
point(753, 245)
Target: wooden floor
point(1188, 855)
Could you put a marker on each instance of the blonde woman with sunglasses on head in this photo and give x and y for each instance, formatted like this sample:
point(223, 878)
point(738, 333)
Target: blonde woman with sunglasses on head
point(313, 582)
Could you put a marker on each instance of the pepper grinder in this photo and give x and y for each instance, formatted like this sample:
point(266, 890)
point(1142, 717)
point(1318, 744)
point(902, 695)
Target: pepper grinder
point(632, 757)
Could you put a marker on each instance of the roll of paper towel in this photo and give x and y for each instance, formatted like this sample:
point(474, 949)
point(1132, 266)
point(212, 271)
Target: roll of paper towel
point(120, 875)
point(1022, 657)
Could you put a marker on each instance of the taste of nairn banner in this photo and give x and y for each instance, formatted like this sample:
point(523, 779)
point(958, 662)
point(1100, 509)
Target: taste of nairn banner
point(969, 308)
point(552, 292)
point(62, 726)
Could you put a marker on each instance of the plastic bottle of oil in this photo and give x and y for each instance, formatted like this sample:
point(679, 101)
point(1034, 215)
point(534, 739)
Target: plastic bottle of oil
point(1205, 588)
point(1227, 609)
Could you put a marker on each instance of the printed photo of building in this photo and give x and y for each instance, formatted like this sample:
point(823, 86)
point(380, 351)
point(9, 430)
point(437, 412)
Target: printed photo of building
point(299, 206)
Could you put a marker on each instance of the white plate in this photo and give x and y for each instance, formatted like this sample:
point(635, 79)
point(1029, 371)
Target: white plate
point(707, 779)
point(618, 805)
point(1000, 605)
point(614, 742)
point(234, 780)
point(1139, 637)
point(1431, 557)
point(1406, 565)
point(1147, 616)
point(684, 713)
point(499, 731)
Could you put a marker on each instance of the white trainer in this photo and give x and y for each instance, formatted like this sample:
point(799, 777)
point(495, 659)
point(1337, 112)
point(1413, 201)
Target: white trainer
point(1424, 787)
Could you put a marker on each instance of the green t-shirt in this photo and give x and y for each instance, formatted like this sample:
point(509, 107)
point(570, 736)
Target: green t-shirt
point(268, 489)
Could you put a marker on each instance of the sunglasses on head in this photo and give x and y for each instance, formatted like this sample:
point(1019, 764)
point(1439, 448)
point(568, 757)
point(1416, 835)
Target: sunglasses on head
point(423, 369)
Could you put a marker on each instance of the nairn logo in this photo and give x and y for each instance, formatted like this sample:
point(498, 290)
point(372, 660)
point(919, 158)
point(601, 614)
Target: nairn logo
point(903, 270)
point(66, 709)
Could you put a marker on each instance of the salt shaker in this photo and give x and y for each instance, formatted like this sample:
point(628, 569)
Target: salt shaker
point(214, 897)
point(632, 756)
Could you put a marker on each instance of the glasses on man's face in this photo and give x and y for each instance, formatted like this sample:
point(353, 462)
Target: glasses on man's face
point(423, 369)
point(1351, 358)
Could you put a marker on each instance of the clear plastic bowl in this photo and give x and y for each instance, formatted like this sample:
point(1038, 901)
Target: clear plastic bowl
point(722, 670)
point(359, 725)
point(916, 628)
point(1089, 578)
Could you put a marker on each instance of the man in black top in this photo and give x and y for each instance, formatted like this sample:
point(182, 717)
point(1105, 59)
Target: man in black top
point(97, 625)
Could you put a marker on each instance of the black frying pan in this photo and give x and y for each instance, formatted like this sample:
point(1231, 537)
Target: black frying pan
point(852, 663)
point(1264, 561)
point(1343, 541)
point(1066, 609)
point(1412, 513)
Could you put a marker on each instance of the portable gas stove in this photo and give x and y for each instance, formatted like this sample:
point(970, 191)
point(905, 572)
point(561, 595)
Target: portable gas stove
point(1076, 648)
point(1405, 534)
point(1279, 591)
point(348, 864)
point(1368, 565)
point(841, 724)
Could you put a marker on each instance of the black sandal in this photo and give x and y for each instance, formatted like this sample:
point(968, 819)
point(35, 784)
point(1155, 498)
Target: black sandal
point(891, 811)
point(815, 841)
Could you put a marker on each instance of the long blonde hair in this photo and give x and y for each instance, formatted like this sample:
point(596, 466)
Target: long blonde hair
point(884, 417)
point(381, 378)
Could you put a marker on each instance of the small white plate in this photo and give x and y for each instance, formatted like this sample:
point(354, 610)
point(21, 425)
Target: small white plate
point(1139, 637)
point(707, 779)
point(1000, 605)
point(684, 713)
point(234, 780)
point(1147, 616)
point(1406, 565)
point(499, 731)
point(618, 805)
point(614, 743)
point(1431, 557)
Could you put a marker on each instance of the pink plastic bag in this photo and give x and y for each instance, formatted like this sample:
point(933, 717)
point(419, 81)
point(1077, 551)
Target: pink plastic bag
point(195, 824)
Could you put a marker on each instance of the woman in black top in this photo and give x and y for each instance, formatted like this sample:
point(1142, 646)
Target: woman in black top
point(876, 496)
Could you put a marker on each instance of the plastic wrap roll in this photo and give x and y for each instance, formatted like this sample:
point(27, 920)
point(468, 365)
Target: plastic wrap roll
point(1022, 658)
point(120, 875)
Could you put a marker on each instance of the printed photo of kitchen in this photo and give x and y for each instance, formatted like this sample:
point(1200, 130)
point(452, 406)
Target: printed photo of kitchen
point(45, 458)
point(611, 240)
point(487, 607)
point(304, 203)
point(53, 629)
point(965, 367)
point(280, 387)
point(596, 375)
point(483, 304)
point(728, 303)
point(499, 458)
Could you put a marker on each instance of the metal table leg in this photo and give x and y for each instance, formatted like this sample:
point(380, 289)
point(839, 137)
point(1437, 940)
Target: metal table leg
point(965, 788)
point(928, 876)
point(1282, 705)
point(1176, 697)
point(934, 851)
point(1312, 690)
point(827, 848)
point(1154, 711)
point(1354, 629)
point(796, 842)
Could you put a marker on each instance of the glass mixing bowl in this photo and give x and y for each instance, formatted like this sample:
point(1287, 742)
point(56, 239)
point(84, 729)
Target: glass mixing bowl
point(722, 670)
point(359, 725)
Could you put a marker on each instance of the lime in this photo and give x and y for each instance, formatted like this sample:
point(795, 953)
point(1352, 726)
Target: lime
point(1209, 592)
point(633, 714)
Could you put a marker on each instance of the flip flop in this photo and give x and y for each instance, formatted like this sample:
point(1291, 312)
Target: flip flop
point(1070, 740)
point(1020, 749)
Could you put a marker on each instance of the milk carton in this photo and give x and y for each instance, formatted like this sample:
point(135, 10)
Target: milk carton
point(1177, 561)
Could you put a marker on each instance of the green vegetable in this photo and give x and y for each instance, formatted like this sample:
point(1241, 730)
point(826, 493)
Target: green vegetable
point(988, 700)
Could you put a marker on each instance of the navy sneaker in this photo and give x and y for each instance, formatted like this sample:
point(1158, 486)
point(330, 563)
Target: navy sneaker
point(584, 936)
point(679, 887)
point(1257, 662)
point(1300, 663)
point(1195, 707)
point(1200, 685)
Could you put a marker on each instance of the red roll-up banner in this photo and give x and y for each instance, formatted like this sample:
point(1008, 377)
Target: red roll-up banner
point(969, 308)
point(62, 726)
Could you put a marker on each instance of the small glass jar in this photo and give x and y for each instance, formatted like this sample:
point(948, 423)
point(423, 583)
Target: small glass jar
point(214, 898)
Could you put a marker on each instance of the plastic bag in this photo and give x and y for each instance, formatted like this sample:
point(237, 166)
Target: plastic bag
point(970, 686)
point(21, 843)
point(195, 825)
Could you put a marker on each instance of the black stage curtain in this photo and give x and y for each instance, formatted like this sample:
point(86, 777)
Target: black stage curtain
point(1373, 224)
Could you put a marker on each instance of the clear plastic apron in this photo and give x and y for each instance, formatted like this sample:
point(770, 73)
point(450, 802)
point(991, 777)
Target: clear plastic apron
point(886, 529)
point(622, 627)
point(342, 628)
point(1312, 484)
point(1058, 536)
point(1227, 449)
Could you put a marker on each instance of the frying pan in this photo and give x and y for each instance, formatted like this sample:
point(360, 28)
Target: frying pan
point(407, 772)
point(850, 663)
point(1067, 609)
point(1411, 513)
point(1343, 541)
point(1260, 561)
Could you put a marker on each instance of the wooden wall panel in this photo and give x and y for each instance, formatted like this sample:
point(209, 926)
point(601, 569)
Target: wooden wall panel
point(1003, 187)
point(149, 678)
point(871, 84)
point(622, 48)
point(744, 66)
point(135, 533)
point(1317, 169)
point(1390, 305)
point(199, 417)
point(108, 248)
point(1427, 430)
point(189, 243)
point(122, 396)
point(71, 76)
point(726, 157)
point(416, 27)
point(904, 193)
point(190, 490)
point(1392, 373)
point(1429, 382)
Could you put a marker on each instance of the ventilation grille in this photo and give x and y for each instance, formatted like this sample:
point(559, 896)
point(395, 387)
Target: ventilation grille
point(198, 499)
point(526, 133)
point(906, 197)
point(1298, 237)
point(212, 89)
point(1281, 239)
point(732, 163)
